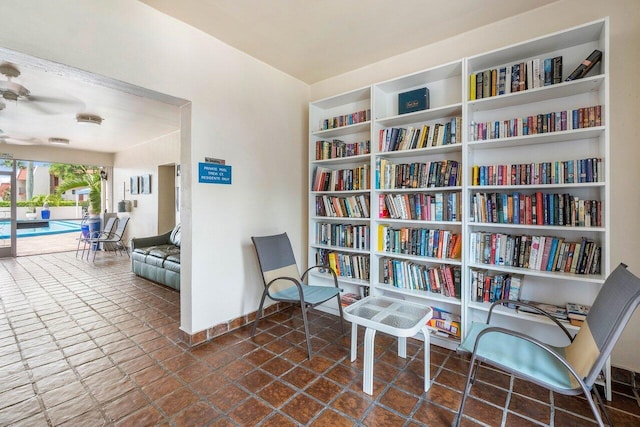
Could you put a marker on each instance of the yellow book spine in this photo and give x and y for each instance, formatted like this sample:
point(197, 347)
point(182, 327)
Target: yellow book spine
point(472, 87)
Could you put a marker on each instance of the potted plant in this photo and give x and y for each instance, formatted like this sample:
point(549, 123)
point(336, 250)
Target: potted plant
point(31, 210)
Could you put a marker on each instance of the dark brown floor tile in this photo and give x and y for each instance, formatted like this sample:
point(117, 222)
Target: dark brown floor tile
point(353, 404)
point(277, 366)
point(385, 372)
point(250, 412)
point(576, 404)
point(458, 365)
point(433, 415)
point(276, 393)
point(259, 356)
point(242, 348)
point(175, 402)
point(530, 408)
point(302, 408)
point(624, 403)
point(568, 419)
point(236, 369)
point(255, 380)
point(228, 397)
point(149, 375)
point(279, 420)
point(342, 374)
point(198, 414)
point(137, 364)
point(162, 387)
point(399, 401)
point(296, 354)
point(218, 359)
point(380, 416)
point(484, 391)
point(330, 418)
point(482, 412)
point(516, 420)
point(179, 362)
point(410, 382)
point(194, 372)
point(323, 390)
point(529, 389)
point(495, 377)
point(299, 377)
point(318, 364)
point(451, 379)
point(210, 384)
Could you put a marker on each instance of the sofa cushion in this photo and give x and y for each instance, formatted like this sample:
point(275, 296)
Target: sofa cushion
point(176, 235)
point(163, 251)
point(174, 258)
point(171, 265)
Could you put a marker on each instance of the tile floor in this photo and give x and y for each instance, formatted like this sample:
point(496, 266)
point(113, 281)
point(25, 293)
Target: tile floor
point(84, 344)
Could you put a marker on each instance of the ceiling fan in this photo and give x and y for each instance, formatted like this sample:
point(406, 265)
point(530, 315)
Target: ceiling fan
point(16, 140)
point(13, 91)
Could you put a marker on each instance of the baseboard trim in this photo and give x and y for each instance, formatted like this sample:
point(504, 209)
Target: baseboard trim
point(212, 332)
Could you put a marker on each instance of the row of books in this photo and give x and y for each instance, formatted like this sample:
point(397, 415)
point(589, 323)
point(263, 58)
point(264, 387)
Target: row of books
point(421, 206)
point(520, 76)
point(490, 287)
point(443, 173)
point(445, 322)
point(356, 206)
point(343, 235)
point(570, 312)
point(419, 242)
point(444, 280)
point(336, 149)
point(556, 121)
point(537, 208)
point(543, 253)
point(345, 265)
point(346, 120)
point(357, 178)
point(434, 135)
point(559, 172)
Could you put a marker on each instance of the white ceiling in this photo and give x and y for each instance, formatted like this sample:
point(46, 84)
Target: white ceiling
point(313, 40)
point(309, 39)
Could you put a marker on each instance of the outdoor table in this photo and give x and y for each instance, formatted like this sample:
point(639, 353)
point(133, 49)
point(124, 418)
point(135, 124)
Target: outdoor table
point(392, 316)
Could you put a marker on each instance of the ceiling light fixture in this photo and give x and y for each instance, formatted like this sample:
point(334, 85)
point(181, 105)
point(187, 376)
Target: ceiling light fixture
point(59, 141)
point(89, 118)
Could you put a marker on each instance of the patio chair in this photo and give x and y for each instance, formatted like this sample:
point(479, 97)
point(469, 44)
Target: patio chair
point(282, 280)
point(112, 241)
point(569, 370)
point(86, 234)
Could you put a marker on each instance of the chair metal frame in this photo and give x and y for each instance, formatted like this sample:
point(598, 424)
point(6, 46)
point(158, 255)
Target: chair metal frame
point(586, 384)
point(108, 229)
point(304, 305)
point(113, 238)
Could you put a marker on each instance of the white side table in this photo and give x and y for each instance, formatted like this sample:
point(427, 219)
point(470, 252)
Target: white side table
point(392, 316)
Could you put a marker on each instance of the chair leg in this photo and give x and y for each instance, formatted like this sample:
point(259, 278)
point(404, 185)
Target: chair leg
point(467, 388)
point(306, 327)
point(341, 316)
point(602, 407)
point(258, 314)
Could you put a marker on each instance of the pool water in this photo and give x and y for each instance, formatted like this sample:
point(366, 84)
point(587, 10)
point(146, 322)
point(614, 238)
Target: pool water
point(55, 227)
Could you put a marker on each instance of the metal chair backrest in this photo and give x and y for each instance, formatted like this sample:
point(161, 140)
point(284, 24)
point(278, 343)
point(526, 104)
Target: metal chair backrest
point(276, 259)
point(607, 318)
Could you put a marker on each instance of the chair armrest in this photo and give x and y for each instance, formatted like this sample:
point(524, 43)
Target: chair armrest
point(144, 242)
point(533, 307)
point(319, 266)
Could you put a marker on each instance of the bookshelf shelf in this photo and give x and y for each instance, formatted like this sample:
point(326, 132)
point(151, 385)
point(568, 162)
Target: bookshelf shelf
point(339, 249)
point(546, 93)
point(450, 102)
point(530, 317)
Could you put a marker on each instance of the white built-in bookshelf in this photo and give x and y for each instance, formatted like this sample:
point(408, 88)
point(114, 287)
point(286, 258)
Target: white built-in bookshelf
point(509, 150)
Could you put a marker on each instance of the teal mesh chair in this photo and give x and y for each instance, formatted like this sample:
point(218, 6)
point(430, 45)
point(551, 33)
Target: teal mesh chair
point(569, 370)
point(282, 280)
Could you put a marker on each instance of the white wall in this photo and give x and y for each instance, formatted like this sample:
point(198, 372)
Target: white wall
point(624, 59)
point(243, 111)
point(141, 160)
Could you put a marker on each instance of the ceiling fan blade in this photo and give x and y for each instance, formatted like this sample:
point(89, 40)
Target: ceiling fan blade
point(36, 106)
point(55, 100)
point(21, 141)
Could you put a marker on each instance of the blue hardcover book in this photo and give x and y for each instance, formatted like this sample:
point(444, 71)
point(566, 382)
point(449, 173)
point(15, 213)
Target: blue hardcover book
point(548, 71)
point(413, 100)
point(552, 254)
point(516, 208)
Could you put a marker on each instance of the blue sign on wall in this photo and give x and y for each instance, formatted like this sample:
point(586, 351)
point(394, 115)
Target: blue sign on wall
point(212, 173)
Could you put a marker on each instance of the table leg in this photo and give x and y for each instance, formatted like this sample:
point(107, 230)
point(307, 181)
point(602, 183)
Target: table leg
point(354, 341)
point(402, 347)
point(427, 358)
point(367, 381)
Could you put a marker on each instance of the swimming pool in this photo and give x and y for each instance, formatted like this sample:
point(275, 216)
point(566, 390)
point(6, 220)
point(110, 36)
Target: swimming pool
point(56, 226)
